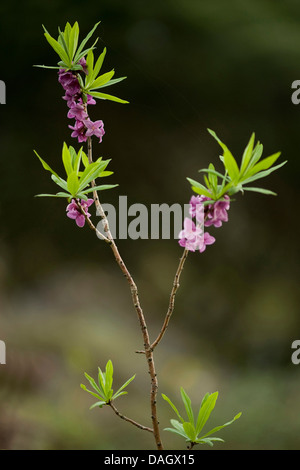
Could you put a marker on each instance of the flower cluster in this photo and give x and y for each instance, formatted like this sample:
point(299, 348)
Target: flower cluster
point(213, 214)
point(193, 237)
point(74, 212)
point(83, 127)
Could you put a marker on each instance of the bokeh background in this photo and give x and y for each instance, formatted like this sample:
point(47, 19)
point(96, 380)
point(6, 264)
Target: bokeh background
point(65, 307)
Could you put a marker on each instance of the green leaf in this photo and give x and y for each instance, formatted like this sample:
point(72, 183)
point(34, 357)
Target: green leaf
point(172, 406)
point(60, 194)
point(179, 427)
point(228, 159)
point(256, 154)
point(205, 411)
point(98, 64)
point(231, 166)
point(66, 33)
point(62, 42)
point(73, 183)
point(187, 404)
point(119, 391)
point(199, 188)
point(260, 190)
point(90, 66)
point(60, 182)
point(208, 441)
point(100, 81)
point(104, 96)
point(93, 383)
point(264, 164)
point(117, 395)
point(112, 82)
point(96, 395)
point(45, 165)
point(101, 379)
point(214, 172)
point(247, 154)
point(67, 160)
point(108, 377)
point(217, 428)
point(91, 172)
point(176, 431)
point(263, 174)
point(58, 49)
point(47, 67)
point(99, 188)
point(189, 429)
point(73, 40)
point(204, 399)
point(105, 173)
point(85, 40)
point(98, 404)
point(213, 178)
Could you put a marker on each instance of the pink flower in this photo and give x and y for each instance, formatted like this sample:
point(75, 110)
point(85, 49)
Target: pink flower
point(78, 112)
point(213, 214)
point(79, 131)
point(217, 212)
point(193, 238)
point(83, 127)
point(90, 100)
point(73, 211)
point(196, 208)
point(82, 62)
point(94, 128)
point(205, 239)
point(189, 236)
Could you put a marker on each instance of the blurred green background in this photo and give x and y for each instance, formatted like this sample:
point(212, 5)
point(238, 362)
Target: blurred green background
point(65, 307)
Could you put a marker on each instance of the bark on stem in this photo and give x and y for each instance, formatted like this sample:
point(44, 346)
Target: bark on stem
point(170, 310)
point(136, 302)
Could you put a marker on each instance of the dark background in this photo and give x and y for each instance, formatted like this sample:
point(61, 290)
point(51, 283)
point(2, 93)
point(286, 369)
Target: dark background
point(65, 307)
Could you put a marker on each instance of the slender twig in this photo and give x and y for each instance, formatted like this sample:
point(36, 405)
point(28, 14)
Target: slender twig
point(90, 223)
point(129, 420)
point(137, 306)
point(192, 444)
point(172, 299)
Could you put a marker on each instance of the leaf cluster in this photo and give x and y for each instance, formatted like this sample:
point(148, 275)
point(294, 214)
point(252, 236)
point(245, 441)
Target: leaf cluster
point(94, 82)
point(78, 182)
point(66, 46)
point(103, 389)
point(191, 428)
point(236, 178)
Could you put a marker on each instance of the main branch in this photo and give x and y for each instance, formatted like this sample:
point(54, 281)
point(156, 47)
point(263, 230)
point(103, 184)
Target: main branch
point(136, 302)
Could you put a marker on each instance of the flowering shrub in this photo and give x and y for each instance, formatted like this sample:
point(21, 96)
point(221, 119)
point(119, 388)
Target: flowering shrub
point(78, 74)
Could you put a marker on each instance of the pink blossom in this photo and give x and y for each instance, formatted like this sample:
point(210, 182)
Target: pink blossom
point(193, 238)
point(73, 211)
point(79, 131)
point(205, 239)
point(83, 127)
point(217, 212)
point(90, 100)
point(78, 112)
point(189, 236)
point(82, 62)
point(94, 128)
